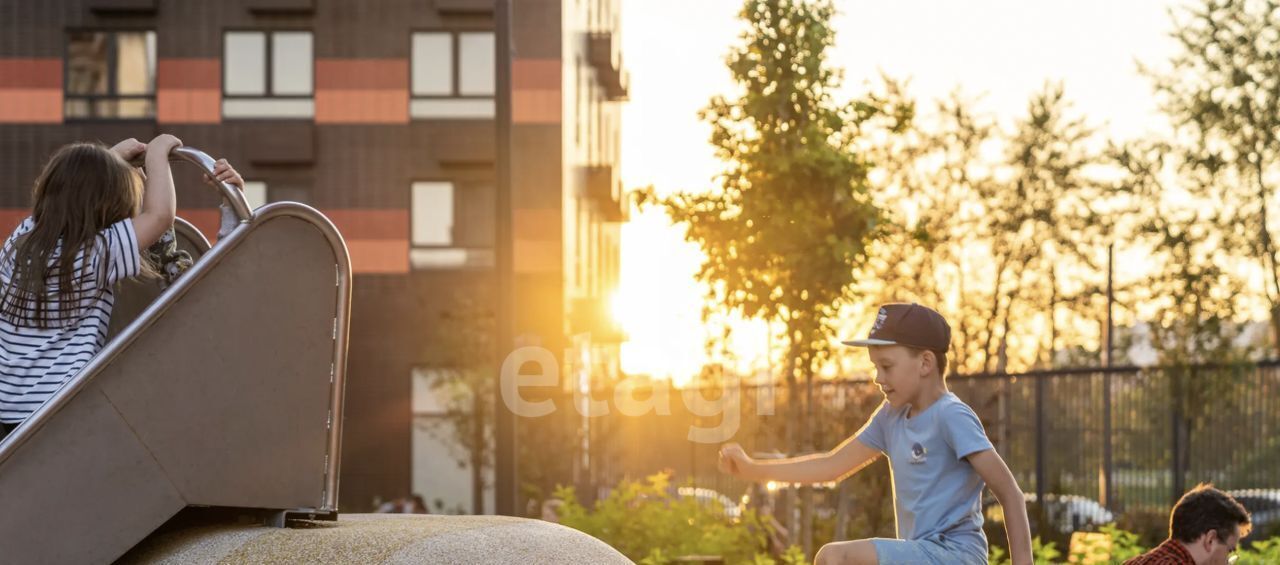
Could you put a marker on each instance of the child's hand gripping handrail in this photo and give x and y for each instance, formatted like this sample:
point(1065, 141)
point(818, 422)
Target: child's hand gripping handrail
point(230, 194)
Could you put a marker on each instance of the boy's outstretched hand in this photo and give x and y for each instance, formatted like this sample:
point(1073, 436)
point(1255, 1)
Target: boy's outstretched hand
point(733, 460)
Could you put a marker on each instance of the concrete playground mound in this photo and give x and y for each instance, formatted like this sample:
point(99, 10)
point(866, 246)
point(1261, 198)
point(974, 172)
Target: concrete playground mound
point(377, 539)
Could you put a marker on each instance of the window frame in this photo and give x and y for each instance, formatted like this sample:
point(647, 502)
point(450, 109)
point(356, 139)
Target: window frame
point(455, 78)
point(268, 64)
point(112, 69)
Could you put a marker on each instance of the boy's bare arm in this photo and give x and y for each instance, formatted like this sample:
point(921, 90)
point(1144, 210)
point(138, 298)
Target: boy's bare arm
point(991, 467)
point(847, 458)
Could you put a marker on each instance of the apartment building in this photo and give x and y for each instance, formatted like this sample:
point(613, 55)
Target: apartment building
point(381, 114)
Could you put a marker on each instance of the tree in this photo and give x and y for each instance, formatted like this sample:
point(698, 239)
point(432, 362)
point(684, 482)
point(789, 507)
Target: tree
point(791, 216)
point(1196, 303)
point(1221, 92)
point(997, 243)
point(464, 377)
point(1041, 221)
point(927, 184)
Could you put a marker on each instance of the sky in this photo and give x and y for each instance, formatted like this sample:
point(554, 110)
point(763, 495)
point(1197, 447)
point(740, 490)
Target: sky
point(1001, 51)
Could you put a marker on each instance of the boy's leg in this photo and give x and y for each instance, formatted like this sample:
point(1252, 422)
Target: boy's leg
point(860, 552)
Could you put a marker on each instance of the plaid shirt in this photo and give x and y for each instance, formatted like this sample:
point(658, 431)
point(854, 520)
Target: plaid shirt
point(1168, 553)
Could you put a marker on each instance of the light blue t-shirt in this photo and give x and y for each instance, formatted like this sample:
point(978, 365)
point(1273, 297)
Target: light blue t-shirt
point(936, 492)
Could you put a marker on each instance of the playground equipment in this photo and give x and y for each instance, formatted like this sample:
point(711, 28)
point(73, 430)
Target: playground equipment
point(223, 390)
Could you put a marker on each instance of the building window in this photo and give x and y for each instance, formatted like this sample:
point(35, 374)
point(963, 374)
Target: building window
point(267, 74)
point(110, 75)
point(450, 228)
point(452, 74)
point(432, 214)
point(255, 193)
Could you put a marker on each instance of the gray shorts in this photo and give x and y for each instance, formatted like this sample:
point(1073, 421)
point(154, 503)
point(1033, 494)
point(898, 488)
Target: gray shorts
point(930, 551)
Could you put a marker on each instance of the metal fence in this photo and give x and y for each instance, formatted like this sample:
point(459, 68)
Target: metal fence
point(1131, 439)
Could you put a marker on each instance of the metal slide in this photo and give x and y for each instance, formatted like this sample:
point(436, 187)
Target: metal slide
point(223, 390)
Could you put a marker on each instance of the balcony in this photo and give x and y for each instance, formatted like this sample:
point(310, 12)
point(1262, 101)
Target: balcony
point(281, 6)
point(123, 6)
point(464, 7)
point(606, 191)
point(603, 54)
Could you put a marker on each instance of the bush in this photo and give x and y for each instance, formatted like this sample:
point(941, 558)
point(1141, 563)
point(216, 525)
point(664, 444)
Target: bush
point(1121, 545)
point(1109, 545)
point(1262, 552)
point(647, 523)
point(1044, 553)
point(1151, 526)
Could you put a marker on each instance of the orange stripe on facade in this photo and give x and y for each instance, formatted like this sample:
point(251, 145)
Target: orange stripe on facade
point(365, 106)
point(351, 223)
point(374, 256)
point(362, 74)
point(188, 106)
point(536, 74)
point(10, 218)
point(31, 73)
point(204, 219)
point(371, 224)
point(535, 106)
point(376, 239)
point(189, 74)
point(31, 105)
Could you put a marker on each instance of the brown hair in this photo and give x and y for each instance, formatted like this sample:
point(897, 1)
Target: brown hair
point(1205, 509)
point(84, 188)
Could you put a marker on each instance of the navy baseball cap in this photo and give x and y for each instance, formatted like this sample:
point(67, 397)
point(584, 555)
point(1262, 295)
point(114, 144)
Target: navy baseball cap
point(911, 325)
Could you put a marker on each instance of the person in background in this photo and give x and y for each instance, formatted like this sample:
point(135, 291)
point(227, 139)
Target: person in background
point(1205, 528)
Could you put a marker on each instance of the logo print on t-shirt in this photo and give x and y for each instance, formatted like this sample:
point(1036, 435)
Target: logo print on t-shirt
point(918, 454)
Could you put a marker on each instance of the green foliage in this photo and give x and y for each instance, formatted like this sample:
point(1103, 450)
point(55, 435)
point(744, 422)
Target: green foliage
point(1109, 545)
point(1116, 545)
point(1124, 545)
point(1263, 552)
point(645, 522)
point(1044, 554)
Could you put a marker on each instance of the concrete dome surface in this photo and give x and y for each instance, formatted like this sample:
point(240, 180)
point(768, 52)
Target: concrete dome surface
point(382, 539)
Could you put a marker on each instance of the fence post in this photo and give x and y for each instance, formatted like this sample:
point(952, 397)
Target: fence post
point(1107, 465)
point(1175, 383)
point(1040, 440)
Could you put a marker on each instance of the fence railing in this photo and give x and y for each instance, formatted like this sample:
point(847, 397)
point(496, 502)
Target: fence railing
point(1131, 439)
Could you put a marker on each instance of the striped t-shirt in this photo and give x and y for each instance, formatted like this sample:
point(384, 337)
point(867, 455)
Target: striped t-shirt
point(36, 362)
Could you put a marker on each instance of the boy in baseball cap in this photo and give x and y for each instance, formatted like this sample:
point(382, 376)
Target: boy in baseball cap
point(940, 455)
